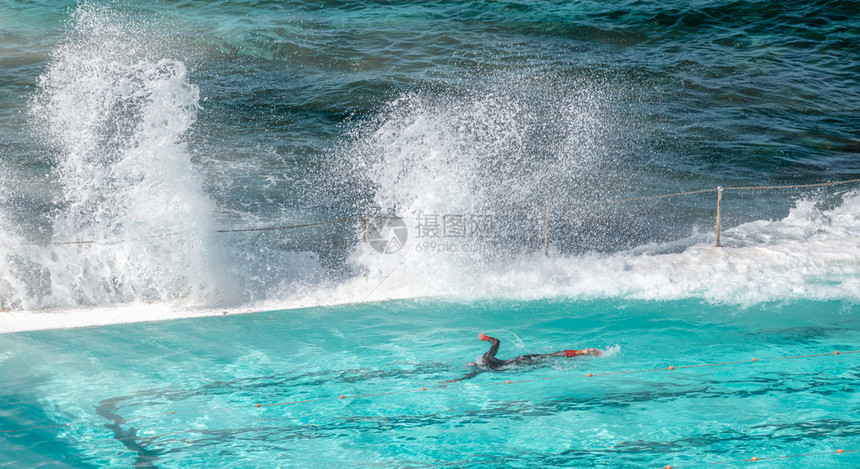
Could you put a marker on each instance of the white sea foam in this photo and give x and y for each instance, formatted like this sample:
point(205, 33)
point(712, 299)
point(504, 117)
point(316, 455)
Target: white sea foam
point(810, 254)
point(511, 143)
point(8, 283)
point(118, 113)
point(117, 116)
point(451, 154)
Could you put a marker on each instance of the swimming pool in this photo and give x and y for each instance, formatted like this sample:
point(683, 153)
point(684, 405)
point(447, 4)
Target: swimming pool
point(183, 393)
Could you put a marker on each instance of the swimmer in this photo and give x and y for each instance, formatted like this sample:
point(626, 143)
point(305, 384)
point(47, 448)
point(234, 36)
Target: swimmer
point(490, 361)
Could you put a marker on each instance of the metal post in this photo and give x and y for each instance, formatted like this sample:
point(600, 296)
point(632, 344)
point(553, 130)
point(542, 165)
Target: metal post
point(546, 231)
point(719, 211)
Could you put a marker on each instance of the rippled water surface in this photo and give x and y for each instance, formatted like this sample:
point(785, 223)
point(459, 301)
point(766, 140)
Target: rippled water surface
point(389, 179)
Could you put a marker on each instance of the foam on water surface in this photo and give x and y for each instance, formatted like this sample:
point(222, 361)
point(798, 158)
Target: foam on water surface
point(118, 109)
point(812, 254)
point(117, 116)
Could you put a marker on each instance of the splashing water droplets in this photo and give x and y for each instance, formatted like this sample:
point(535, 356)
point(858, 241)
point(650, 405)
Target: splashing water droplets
point(118, 119)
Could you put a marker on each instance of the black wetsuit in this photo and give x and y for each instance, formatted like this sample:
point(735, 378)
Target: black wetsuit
point(489, 359)
point(490, 362)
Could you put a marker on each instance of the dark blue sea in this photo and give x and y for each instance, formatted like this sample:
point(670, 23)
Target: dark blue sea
point(675, 183)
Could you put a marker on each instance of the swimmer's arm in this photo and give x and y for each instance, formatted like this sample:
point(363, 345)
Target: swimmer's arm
point(489, 339)
point(494, 347)
point(575, 353)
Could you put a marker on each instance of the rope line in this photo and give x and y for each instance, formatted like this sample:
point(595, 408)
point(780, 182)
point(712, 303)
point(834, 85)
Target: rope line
point(587, 375)
point(62, 243)
point(40, 427)
point(769, 458)
point(523, 207)
point(796, 186)
point(668, 466)
point(290, 227)
point(648, 197)
point(117, 241)
point(496, 383)
point(425, 389)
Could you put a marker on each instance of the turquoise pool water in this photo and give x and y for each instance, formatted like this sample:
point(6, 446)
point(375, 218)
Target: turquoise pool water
point(182, 393)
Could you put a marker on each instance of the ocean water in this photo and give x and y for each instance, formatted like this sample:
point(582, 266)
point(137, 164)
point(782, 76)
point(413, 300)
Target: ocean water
point(381, 181)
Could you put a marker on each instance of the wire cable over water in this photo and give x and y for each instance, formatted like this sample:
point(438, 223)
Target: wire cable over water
point(523, 207)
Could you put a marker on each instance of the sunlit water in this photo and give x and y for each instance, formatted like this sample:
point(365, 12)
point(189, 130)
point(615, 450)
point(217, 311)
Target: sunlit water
point(140, 140)
point(183, 393)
